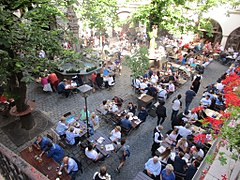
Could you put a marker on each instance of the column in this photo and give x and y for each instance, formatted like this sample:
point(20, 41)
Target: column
point(224, 40)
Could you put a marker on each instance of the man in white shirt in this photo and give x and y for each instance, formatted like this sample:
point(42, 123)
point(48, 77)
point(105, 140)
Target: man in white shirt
point(114, 108)
point(143, 86)
point(92, 153)
point(162, 94)
point(206, 101)
point(153, 167)
point(171, 88)
point(177, 104)
point(219, 86)
point(184, 131)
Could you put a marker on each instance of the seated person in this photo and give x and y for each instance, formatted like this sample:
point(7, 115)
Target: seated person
point(179, 164)
point(192, 169)
point(92, 154)
point(206, 101)
point(71, 137)
point(110, 81)
point(118, 101)
point(153, 167)
point(99, 80)
point(142, 115)
point(61, 88)
point(171, 88)
point(104, 107)
point(219, 103)
point(115, 134)
point(184, 131)
point(151, 90)
point(114, 109)
point(41, 142)
point(182, 145)
point(54, 151)
point(132, 108)
point(163, 158)
point(62, 127)
point(167, 173)
point(102, 174)
point(126, 123)
point(79, 80)
point(70, 166)
point(172, 137)
point(83, 115)
point(197, 152)
point(162, 94)
point(94, 121)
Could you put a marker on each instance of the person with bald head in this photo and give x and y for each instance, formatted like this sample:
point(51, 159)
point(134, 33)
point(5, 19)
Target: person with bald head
point(153, 167)
point(70, 166)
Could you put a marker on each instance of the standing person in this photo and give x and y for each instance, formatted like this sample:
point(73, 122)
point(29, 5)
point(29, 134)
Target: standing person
point(102, 174)
point(157, 139)
point(196, 84)
point(123, 153)
point(190, 94)
point(177, 104)
point(161, 112)
point(70, 166)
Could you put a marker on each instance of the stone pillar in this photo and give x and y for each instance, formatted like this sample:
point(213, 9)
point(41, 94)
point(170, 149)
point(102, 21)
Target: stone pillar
point(224, 40)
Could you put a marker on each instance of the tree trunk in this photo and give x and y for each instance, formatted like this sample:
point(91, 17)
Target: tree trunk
point(152, 40)
point(19, 89)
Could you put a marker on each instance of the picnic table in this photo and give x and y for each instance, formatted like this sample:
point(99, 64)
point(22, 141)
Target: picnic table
point(47, 166)
point(144, 100)
point(103, 143)
point(212, 113)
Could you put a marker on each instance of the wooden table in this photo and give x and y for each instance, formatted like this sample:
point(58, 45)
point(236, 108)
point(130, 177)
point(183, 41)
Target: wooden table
point(142, 176)
point(81, 129)
point(100, 147)
point(211, 113)
point(144, 101)
point(47, 167)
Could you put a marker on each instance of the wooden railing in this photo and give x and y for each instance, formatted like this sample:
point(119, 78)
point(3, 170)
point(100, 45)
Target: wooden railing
point(14, 167)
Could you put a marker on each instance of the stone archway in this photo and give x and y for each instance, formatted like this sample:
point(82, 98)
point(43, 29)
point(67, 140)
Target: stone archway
point(217, 33)
point(234, 40)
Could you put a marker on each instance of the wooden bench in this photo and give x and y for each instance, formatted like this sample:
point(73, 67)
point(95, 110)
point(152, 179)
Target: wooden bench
point(142, 176)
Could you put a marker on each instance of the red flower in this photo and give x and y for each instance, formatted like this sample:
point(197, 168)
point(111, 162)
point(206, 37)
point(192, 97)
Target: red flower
point(224, 114)
point(200, 137)
point(197, 109)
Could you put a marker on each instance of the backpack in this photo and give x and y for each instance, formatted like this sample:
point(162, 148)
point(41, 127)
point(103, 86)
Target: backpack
point(127, 151)
point(79, 164)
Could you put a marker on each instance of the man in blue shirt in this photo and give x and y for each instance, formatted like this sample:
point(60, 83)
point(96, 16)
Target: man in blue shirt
point(54, 151)
point(70, 166)
point(153, 167)
point(41, 142)
point(62, 127)
point(126, 123)
point(71, 137)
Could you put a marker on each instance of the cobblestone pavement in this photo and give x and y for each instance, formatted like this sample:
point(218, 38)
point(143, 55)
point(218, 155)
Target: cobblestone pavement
point(140, 140)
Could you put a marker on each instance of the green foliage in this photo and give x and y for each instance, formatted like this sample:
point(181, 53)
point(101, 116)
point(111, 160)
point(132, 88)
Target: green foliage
point(26, 28)
point(210, 158)
point(98, 14)
point(177, 16)
point(138, 62)
point(222, 158)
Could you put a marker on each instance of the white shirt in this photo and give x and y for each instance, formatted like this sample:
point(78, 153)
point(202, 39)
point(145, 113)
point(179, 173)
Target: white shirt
point(114, 108)
point(184, 132)
point(143, 85)
point(91, 154)
point(154, 79)
point(176, 105)
point(137, 83)
point(171, 87)
point(115, 135)
point(162, 93)
point(206, 102)
point(156, 136)
point(219, 86)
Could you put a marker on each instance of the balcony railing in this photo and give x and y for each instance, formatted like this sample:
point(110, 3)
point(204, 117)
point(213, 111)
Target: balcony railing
point(14, 167)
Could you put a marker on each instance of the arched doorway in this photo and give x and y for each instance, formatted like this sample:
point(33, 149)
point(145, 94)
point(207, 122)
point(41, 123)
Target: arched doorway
point(217, 33)
point(234, 40)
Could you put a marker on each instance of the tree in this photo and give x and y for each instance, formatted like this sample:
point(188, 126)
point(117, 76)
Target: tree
point(26, 27)
point(178, 16)
point(138, 62)
point(98, 14)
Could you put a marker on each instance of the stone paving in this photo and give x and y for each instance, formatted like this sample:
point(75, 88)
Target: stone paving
point(140, 140)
